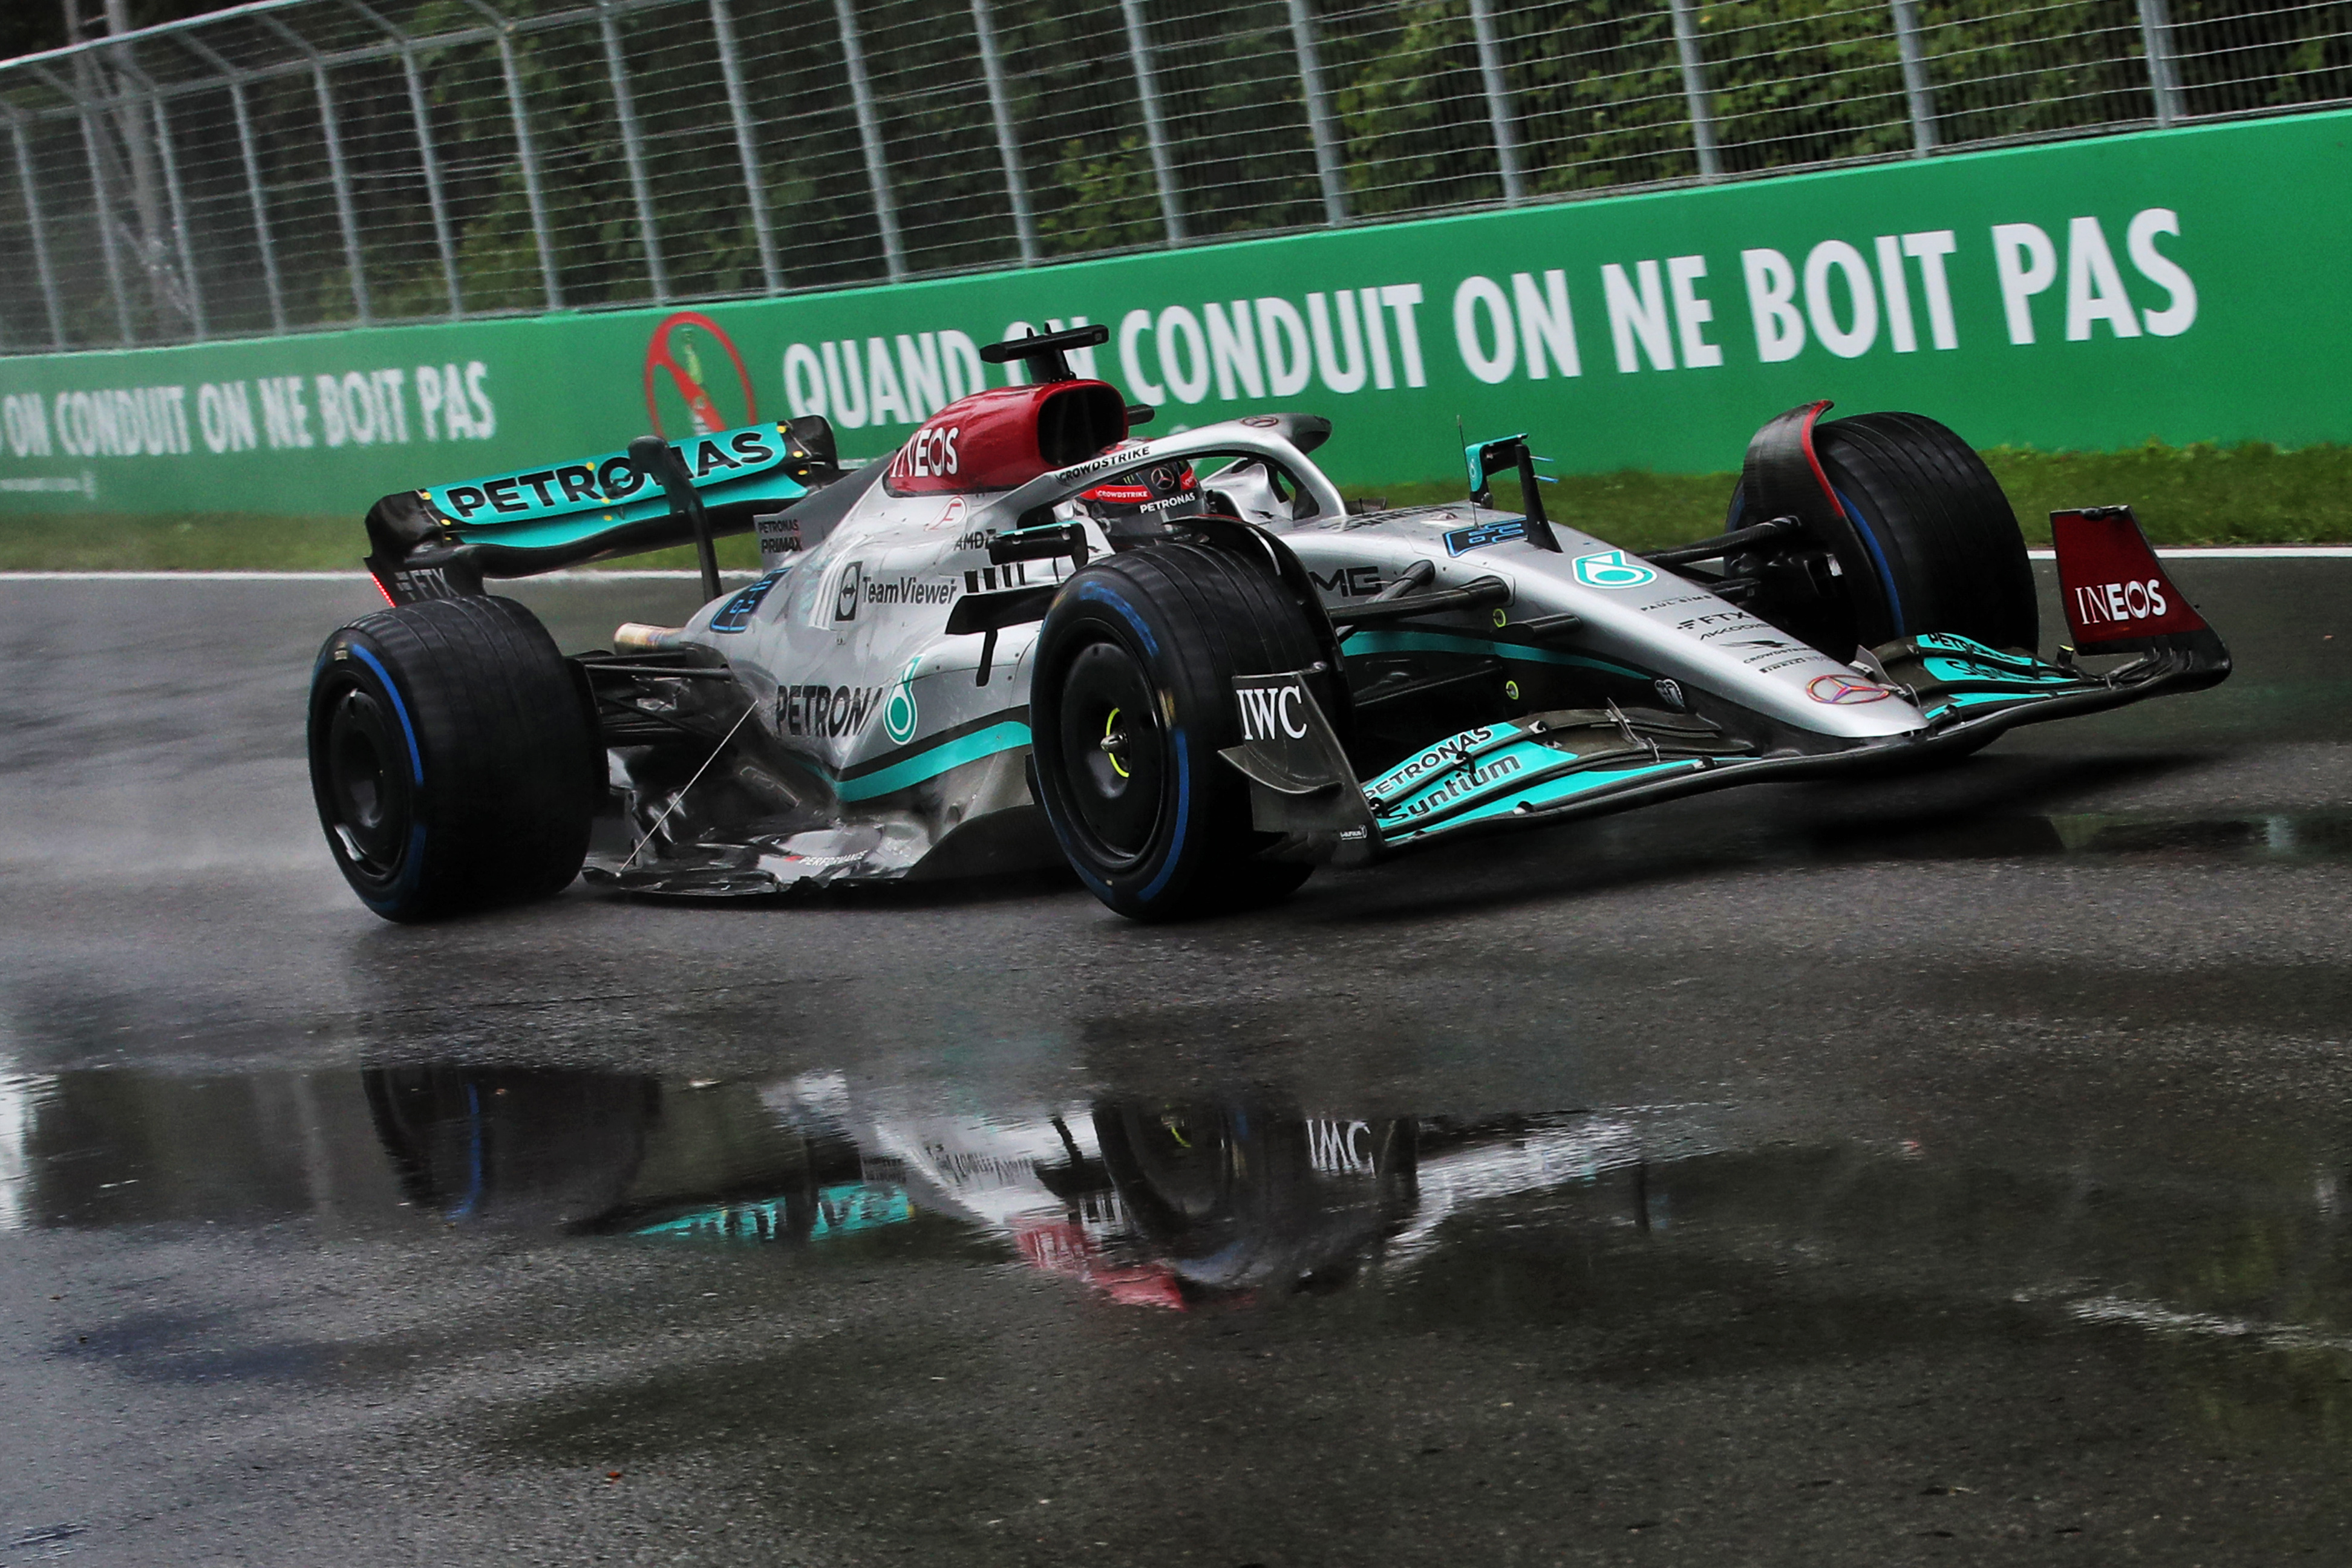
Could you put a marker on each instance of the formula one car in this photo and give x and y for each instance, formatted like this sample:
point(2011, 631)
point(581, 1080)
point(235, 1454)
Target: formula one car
point(1184, 667)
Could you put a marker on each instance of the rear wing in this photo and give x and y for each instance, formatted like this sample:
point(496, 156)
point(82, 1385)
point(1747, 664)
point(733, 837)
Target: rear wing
point(443, 541)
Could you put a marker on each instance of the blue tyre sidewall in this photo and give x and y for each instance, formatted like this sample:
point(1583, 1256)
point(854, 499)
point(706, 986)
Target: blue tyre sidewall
point(1160, 878)
point(349, 660)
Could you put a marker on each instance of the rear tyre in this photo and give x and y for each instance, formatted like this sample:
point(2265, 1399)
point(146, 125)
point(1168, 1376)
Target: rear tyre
point(454, 759)
point(1131, 701)
point(1933, 544)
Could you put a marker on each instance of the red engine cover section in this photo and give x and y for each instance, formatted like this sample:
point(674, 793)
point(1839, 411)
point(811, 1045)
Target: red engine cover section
point(2115, 591)
point(1007, 435)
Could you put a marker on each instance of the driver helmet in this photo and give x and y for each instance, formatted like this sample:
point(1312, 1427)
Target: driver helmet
point(1144, 498)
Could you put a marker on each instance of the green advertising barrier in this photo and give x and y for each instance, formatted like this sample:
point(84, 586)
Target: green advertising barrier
point(2180, 285)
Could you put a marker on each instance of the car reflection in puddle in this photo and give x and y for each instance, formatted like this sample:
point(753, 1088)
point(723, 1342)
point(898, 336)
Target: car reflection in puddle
point(1157, 1205)
point(1153, 1204)
point(1688, 1237)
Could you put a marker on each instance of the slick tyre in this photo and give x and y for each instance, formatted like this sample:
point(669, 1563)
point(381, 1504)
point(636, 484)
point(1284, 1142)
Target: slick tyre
point(1934, 546)
point(453, 758)
point(1132, 701)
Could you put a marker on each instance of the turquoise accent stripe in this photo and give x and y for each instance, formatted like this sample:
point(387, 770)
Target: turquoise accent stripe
point(1545, 792)
point(1959, 669)
point(1492, 769)
point(839, 1210)
point(545, 532)
point(1444, 642)
point(1980, 699)
point(1969, 648)
point(1008, 736)
point(1445, 756)
point(524, 508)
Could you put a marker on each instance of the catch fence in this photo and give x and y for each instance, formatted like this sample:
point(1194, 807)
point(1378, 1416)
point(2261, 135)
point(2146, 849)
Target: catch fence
point(292, 165)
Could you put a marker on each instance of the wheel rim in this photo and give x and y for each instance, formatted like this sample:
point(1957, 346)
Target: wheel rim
point(1113, 751)
point(367, 795)
point(1184, 1160)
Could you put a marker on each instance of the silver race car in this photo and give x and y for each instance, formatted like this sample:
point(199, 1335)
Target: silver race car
point(1184, 667)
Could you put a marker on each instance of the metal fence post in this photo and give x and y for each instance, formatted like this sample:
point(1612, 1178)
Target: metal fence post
point(346, 211)
point(869, 133)
point(526, 156)
point(1008, 149)
point(1155, 132)
point(176, 196)
point(103, 203)
point(40, 234)
point(429, 159)
point(263, 240)
point(2156, 38)
point(747, 148)
point(182, 294)
point(1916, 93)
point(1499, 100)
point(633, 150)
point(182, 242)
point(1319, 115)
point(1702, 113)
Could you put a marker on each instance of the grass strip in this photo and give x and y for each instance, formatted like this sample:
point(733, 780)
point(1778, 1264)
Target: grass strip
point(2198, 494)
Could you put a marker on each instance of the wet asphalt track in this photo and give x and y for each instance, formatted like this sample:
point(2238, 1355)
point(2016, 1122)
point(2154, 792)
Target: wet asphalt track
point(1946, 1170)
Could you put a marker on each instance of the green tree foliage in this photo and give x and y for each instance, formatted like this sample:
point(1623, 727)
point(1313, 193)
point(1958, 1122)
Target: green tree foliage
point(1114, 200)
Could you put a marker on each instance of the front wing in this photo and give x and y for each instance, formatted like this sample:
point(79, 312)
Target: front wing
point(1574, 762)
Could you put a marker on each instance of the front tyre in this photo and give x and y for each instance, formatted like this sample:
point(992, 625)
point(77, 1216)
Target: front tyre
point(1132, 701)
point(454, 760)
point(1934, 546)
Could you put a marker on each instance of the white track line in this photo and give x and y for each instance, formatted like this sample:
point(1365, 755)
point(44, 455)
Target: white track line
point(2164, 1320)
point(2233, 552)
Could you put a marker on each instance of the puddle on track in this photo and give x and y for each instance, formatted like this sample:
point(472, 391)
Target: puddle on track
point(1604, 1259)
point(1662, 1214)
point(1174, 1205)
